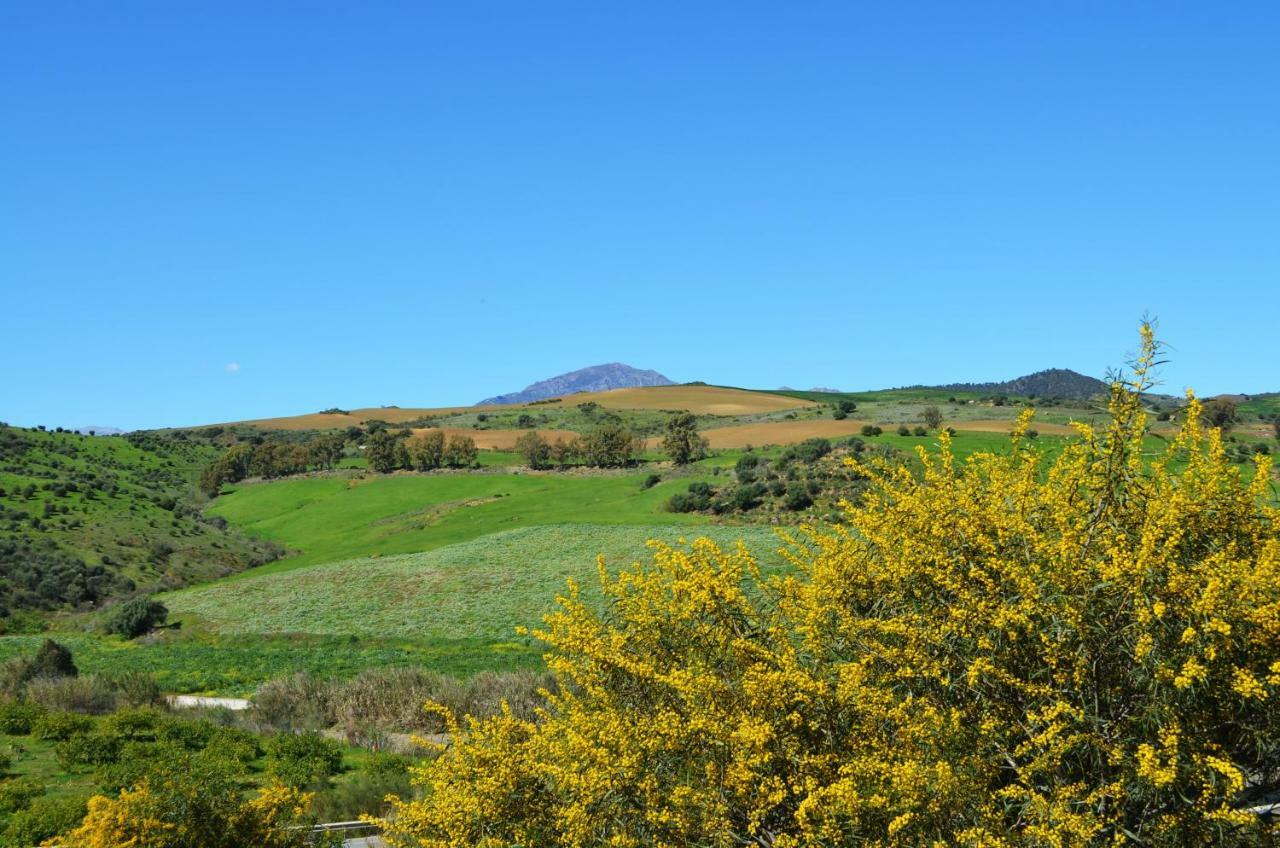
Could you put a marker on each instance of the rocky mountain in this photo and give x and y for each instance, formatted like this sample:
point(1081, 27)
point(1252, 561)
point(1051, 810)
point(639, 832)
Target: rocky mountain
point(1052, 382)
point(597, 378)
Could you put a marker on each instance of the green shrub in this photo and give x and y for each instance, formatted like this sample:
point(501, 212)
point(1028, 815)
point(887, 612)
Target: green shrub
point(44, 818)
point(234, 744)
point(52, 660)
point(904, 430)
point(919, 430)
point(650, 481)
point(133, 723)
point(16, 717)
point(871, 430)
point(191, 735)
point(302, 759)
point(59, 726)
point(95, 748)
point(137, 761)
point(16, 793)
point(133, 618)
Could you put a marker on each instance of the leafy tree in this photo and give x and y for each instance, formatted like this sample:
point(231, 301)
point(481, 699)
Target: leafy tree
point(987, 654)
point(681, 442)
point(932, 417)
point(326, 450)
point(426, 450)
point(380, 451)
point(460, 451)
point(565, 452)
point(611, 445)
point(535, 449)
point(1218, 412)
point(133, 618)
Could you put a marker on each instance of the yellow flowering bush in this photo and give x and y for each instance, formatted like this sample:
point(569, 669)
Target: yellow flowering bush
point(1005, 651)
point(192, 811)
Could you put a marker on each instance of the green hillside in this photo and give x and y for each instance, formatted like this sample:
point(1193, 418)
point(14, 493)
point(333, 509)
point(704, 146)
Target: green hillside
point(87, 517)
point(478, 589)
point(323, 519)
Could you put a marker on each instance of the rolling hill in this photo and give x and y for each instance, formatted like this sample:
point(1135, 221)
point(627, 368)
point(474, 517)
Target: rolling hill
point(1049, 383)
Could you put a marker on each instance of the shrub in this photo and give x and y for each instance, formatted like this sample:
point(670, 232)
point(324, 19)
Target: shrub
point(302, 759)
point(871, 430)
point(209, 812)
point(59, 726)
point(133, 723)
point(90, 694)
point(42, 819)
point(135, 688)
point(650, 481)
point(17, 793)
point(234, 744)
point(919, 431)
point(990, 653)
point(904, 430)
point(16, 717)
point(299, 702)
point(52, 660)
point(798, 498)
point(95, 748)
point(137, 762)
point(747, 497)
point(133, 618)
point(696, 499)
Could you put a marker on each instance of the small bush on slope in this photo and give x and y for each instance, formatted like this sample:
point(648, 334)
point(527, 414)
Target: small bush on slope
point(998, 653)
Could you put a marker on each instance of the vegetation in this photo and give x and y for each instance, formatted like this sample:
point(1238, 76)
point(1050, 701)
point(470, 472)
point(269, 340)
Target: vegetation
point(85, 519)
point(136, 617)
point(681, 443)
point(1012, 651)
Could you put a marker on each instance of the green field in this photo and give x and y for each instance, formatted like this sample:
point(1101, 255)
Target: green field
point(481, 589)
point(325, 519)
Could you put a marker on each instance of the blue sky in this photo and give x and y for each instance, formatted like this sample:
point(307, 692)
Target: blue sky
point(211, 211)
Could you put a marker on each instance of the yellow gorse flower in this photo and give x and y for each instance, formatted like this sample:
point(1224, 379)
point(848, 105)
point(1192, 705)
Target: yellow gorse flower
point(1010, 650)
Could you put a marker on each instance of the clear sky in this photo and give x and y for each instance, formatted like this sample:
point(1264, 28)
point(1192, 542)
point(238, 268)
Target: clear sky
point(212, 211)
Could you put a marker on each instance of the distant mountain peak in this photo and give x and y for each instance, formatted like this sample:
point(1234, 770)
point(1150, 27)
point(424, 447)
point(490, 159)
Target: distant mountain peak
point(1051, 382)
point(595, 378)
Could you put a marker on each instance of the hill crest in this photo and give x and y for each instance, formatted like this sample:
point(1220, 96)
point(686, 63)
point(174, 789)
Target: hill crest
point(594, 378)
point(1051, 382)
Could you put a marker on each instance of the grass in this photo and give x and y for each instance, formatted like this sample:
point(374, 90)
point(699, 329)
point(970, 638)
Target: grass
point(480, 589)
point(325, 519)
point(235, 665)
